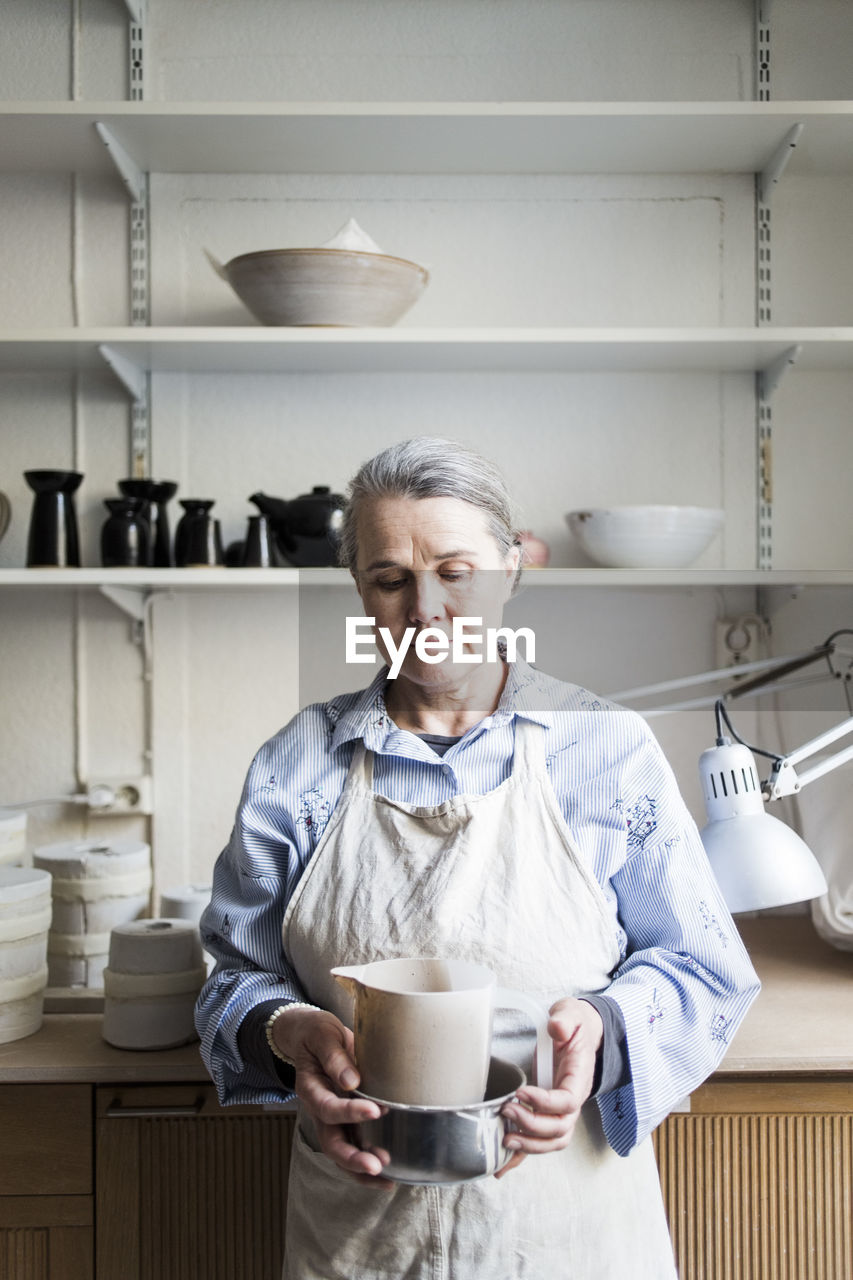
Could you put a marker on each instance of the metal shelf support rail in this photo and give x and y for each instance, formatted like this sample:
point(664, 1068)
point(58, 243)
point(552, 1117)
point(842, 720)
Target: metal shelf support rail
point(135, 180)
point(764, 183)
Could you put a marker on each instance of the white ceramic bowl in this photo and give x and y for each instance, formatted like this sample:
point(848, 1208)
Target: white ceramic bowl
point(645, 537)
point(325, 286)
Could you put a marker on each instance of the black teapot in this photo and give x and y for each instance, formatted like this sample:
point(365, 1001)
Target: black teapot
point(307, 529)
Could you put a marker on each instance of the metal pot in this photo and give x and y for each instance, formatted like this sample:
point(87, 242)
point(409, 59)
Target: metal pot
point(444, 1145)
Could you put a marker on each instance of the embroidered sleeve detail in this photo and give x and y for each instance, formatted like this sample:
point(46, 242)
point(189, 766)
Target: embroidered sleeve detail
point(640, 820)
point(655, 1009)
point(710, 979)
point(720, 1028)
point(712, 924)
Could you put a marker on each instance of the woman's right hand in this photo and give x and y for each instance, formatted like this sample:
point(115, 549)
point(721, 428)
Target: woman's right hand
point(321, 1049)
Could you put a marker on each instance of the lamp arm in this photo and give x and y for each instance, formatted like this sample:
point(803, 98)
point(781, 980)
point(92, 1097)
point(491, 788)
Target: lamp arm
point(771, 665)
point(784, 780)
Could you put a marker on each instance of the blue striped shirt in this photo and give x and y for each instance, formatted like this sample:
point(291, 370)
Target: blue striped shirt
point(684, 981)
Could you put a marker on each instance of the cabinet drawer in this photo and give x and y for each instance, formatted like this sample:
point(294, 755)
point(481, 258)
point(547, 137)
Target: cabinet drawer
point(47, 1139)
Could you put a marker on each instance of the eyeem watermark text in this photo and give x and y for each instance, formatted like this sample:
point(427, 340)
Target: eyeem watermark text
point(468, 642)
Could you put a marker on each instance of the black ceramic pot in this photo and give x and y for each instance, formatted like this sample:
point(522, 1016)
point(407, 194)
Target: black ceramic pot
point(307, 529)
point(125, 534)
point(156, 495)
point(198, 538)
point(52, 539)
point(259, 549)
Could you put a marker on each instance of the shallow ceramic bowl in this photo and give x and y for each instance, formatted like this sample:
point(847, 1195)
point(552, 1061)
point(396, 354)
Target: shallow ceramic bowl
point(325, 286)
point(645, 537)
point(441, 1145)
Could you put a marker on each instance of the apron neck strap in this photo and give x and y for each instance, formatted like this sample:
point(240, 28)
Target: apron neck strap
point(529, 750)
point(362, 765)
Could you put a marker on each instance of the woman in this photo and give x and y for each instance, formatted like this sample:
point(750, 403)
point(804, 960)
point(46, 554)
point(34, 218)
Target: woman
point(486, 811)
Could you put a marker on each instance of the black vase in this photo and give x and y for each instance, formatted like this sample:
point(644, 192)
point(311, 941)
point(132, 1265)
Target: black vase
point(259, 550)
point(125, 535)
point(198, 539)
point(156, 494)
point(52, 540)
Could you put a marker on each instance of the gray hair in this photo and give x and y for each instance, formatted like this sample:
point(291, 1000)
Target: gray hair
point(430, 467)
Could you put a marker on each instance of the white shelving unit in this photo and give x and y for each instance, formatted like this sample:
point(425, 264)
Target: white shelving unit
point(262, 350)
point(139, 137)
point(426, 137)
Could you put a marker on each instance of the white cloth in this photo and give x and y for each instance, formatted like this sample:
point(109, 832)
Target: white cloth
point(392, 879)
point(822, 814)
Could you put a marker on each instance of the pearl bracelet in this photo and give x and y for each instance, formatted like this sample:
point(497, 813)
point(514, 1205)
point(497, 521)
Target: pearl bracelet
point(270, 1022)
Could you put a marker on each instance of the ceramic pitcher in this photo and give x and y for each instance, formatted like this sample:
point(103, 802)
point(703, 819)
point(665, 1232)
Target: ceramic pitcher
point(423, 1029)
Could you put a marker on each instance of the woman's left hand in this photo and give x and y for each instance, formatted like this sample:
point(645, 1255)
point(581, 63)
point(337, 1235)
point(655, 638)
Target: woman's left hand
point(545, 1119)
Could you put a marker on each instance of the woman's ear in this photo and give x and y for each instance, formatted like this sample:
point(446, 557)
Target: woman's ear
point(513, 562)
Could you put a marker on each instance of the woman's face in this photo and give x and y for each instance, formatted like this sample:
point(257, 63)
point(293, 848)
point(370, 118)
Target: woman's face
point(423, 562)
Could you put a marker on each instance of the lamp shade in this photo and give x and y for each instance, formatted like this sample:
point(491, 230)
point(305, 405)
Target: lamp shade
point(758, 861)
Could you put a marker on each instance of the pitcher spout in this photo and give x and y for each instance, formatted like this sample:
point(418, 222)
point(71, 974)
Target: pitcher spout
point(350, 976)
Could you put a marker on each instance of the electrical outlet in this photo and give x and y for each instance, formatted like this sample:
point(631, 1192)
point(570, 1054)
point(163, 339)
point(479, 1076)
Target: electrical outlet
point(738, 640)
point(113, 797)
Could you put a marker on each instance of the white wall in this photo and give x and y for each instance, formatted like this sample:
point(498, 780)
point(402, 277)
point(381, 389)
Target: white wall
point(538, 250)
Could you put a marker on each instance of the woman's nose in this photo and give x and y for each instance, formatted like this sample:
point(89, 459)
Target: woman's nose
point(427, 604)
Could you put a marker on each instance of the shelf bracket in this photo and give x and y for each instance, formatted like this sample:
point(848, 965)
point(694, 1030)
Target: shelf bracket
point(136, 9)
point(130, 375)
point(133, 177)
point(770, 378)
point(130, 600)
point(775, 167)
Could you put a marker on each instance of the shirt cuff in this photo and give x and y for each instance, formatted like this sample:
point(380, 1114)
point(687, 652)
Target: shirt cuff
point(254, 1047)
point(612, 1064)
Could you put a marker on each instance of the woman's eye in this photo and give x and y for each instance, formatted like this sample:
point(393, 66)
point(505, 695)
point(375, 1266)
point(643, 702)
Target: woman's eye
point(455, 575)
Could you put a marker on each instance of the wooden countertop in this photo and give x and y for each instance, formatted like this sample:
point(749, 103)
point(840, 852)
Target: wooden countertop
point(802, 1022)
point(69, 1047)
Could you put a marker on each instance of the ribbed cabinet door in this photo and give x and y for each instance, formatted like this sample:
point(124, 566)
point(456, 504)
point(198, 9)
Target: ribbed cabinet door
point(46, 1253)
point(24, 1254)
point(765, 1194)
point(187, 1190)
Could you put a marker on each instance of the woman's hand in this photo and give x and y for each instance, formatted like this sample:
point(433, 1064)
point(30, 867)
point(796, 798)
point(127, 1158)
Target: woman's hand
point(545, 1119)
point(321, 1049)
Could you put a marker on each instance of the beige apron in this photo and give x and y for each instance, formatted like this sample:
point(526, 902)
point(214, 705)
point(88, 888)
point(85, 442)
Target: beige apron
point(494, 879)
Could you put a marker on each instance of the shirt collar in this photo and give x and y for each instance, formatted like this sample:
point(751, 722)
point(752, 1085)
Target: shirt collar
point(365, 716)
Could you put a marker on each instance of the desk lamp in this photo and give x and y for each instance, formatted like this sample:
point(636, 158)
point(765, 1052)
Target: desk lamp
point(759, 861)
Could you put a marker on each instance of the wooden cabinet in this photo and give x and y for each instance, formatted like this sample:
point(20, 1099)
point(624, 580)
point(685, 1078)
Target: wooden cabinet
point(140, 1182)
point(46, 1182)
point(758, 1180)
point(186, 1190)
point(158, 1182)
